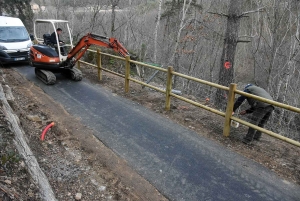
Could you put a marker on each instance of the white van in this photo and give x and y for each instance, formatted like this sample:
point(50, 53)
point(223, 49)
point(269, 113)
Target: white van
point(14, 40)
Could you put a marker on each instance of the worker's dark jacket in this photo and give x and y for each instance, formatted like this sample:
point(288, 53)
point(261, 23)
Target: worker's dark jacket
point(53, 38)
point(252, 102)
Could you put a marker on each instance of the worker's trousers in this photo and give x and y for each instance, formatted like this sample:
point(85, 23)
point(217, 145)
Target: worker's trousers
point(259, 117)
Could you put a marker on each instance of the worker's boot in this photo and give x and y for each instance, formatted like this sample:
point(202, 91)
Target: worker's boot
point(246, 140)
point(249, 137)
point(257, 135)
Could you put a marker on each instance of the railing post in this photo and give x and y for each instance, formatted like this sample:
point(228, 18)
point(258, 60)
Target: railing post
point(127, 73)
point(78, 64)
point(229, 109)
point(169, 87)
point(99, 65)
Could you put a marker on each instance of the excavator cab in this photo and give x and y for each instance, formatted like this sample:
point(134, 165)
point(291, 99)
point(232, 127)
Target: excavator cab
point(49, 58)
point(43, 28)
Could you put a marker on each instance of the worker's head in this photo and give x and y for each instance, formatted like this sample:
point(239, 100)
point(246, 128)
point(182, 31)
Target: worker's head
point(58, 30)
point(248, 85)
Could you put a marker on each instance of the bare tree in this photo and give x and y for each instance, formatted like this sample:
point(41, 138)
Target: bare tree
point(114, 4)
point(226, 74)
point(57, 6)
point(175, 54)
point(156, 30)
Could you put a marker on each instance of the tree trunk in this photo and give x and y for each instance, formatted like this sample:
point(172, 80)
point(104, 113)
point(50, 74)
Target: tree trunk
point(1, 7)
point(274, 44)
point(226, 74)
point(57, 5)
point(95, 11)
point(156, 30)
point(175, 55)
point(114, 3)
point(291, 65)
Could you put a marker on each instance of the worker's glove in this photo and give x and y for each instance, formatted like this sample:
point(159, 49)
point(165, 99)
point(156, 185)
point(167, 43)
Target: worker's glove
point(243, 112)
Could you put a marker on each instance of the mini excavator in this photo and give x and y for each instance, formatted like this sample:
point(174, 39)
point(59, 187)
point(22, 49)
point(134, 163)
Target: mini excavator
point(48, 58)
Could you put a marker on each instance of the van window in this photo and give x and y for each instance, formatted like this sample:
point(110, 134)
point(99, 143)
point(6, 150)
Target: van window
point(13, 34)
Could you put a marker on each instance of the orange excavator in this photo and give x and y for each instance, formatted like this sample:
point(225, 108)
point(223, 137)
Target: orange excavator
point(49, 58)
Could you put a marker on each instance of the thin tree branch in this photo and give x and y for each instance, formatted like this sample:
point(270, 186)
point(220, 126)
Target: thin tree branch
point(243, 41)
point(221, 14)
point(246, 36)
point(9, 192)
point(297, 39)
point(252, 11)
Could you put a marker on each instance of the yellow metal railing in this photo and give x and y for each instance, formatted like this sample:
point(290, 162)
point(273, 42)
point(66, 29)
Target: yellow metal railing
point(232, 91)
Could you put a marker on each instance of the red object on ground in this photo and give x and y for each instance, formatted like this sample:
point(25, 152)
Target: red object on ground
point(45, 131)
point(227, 65)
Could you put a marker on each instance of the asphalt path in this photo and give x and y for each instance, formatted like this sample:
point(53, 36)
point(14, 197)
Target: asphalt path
point(180, 163)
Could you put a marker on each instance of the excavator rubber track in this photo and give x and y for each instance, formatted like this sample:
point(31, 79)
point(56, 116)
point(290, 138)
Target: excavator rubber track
point(46, 76)
point(74, 74)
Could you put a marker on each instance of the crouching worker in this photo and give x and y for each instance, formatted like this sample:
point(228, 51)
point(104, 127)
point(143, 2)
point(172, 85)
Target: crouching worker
point(261, 111)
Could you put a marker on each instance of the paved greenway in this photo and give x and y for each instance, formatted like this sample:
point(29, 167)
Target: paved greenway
point(181, 164)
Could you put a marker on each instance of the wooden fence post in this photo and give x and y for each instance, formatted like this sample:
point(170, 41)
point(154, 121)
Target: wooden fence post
point(78, 64)
point(127, 73)
point(229, 109)
point(99, 65)
point(169, 87)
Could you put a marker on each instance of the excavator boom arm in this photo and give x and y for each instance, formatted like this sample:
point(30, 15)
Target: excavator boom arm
point(91, 39)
